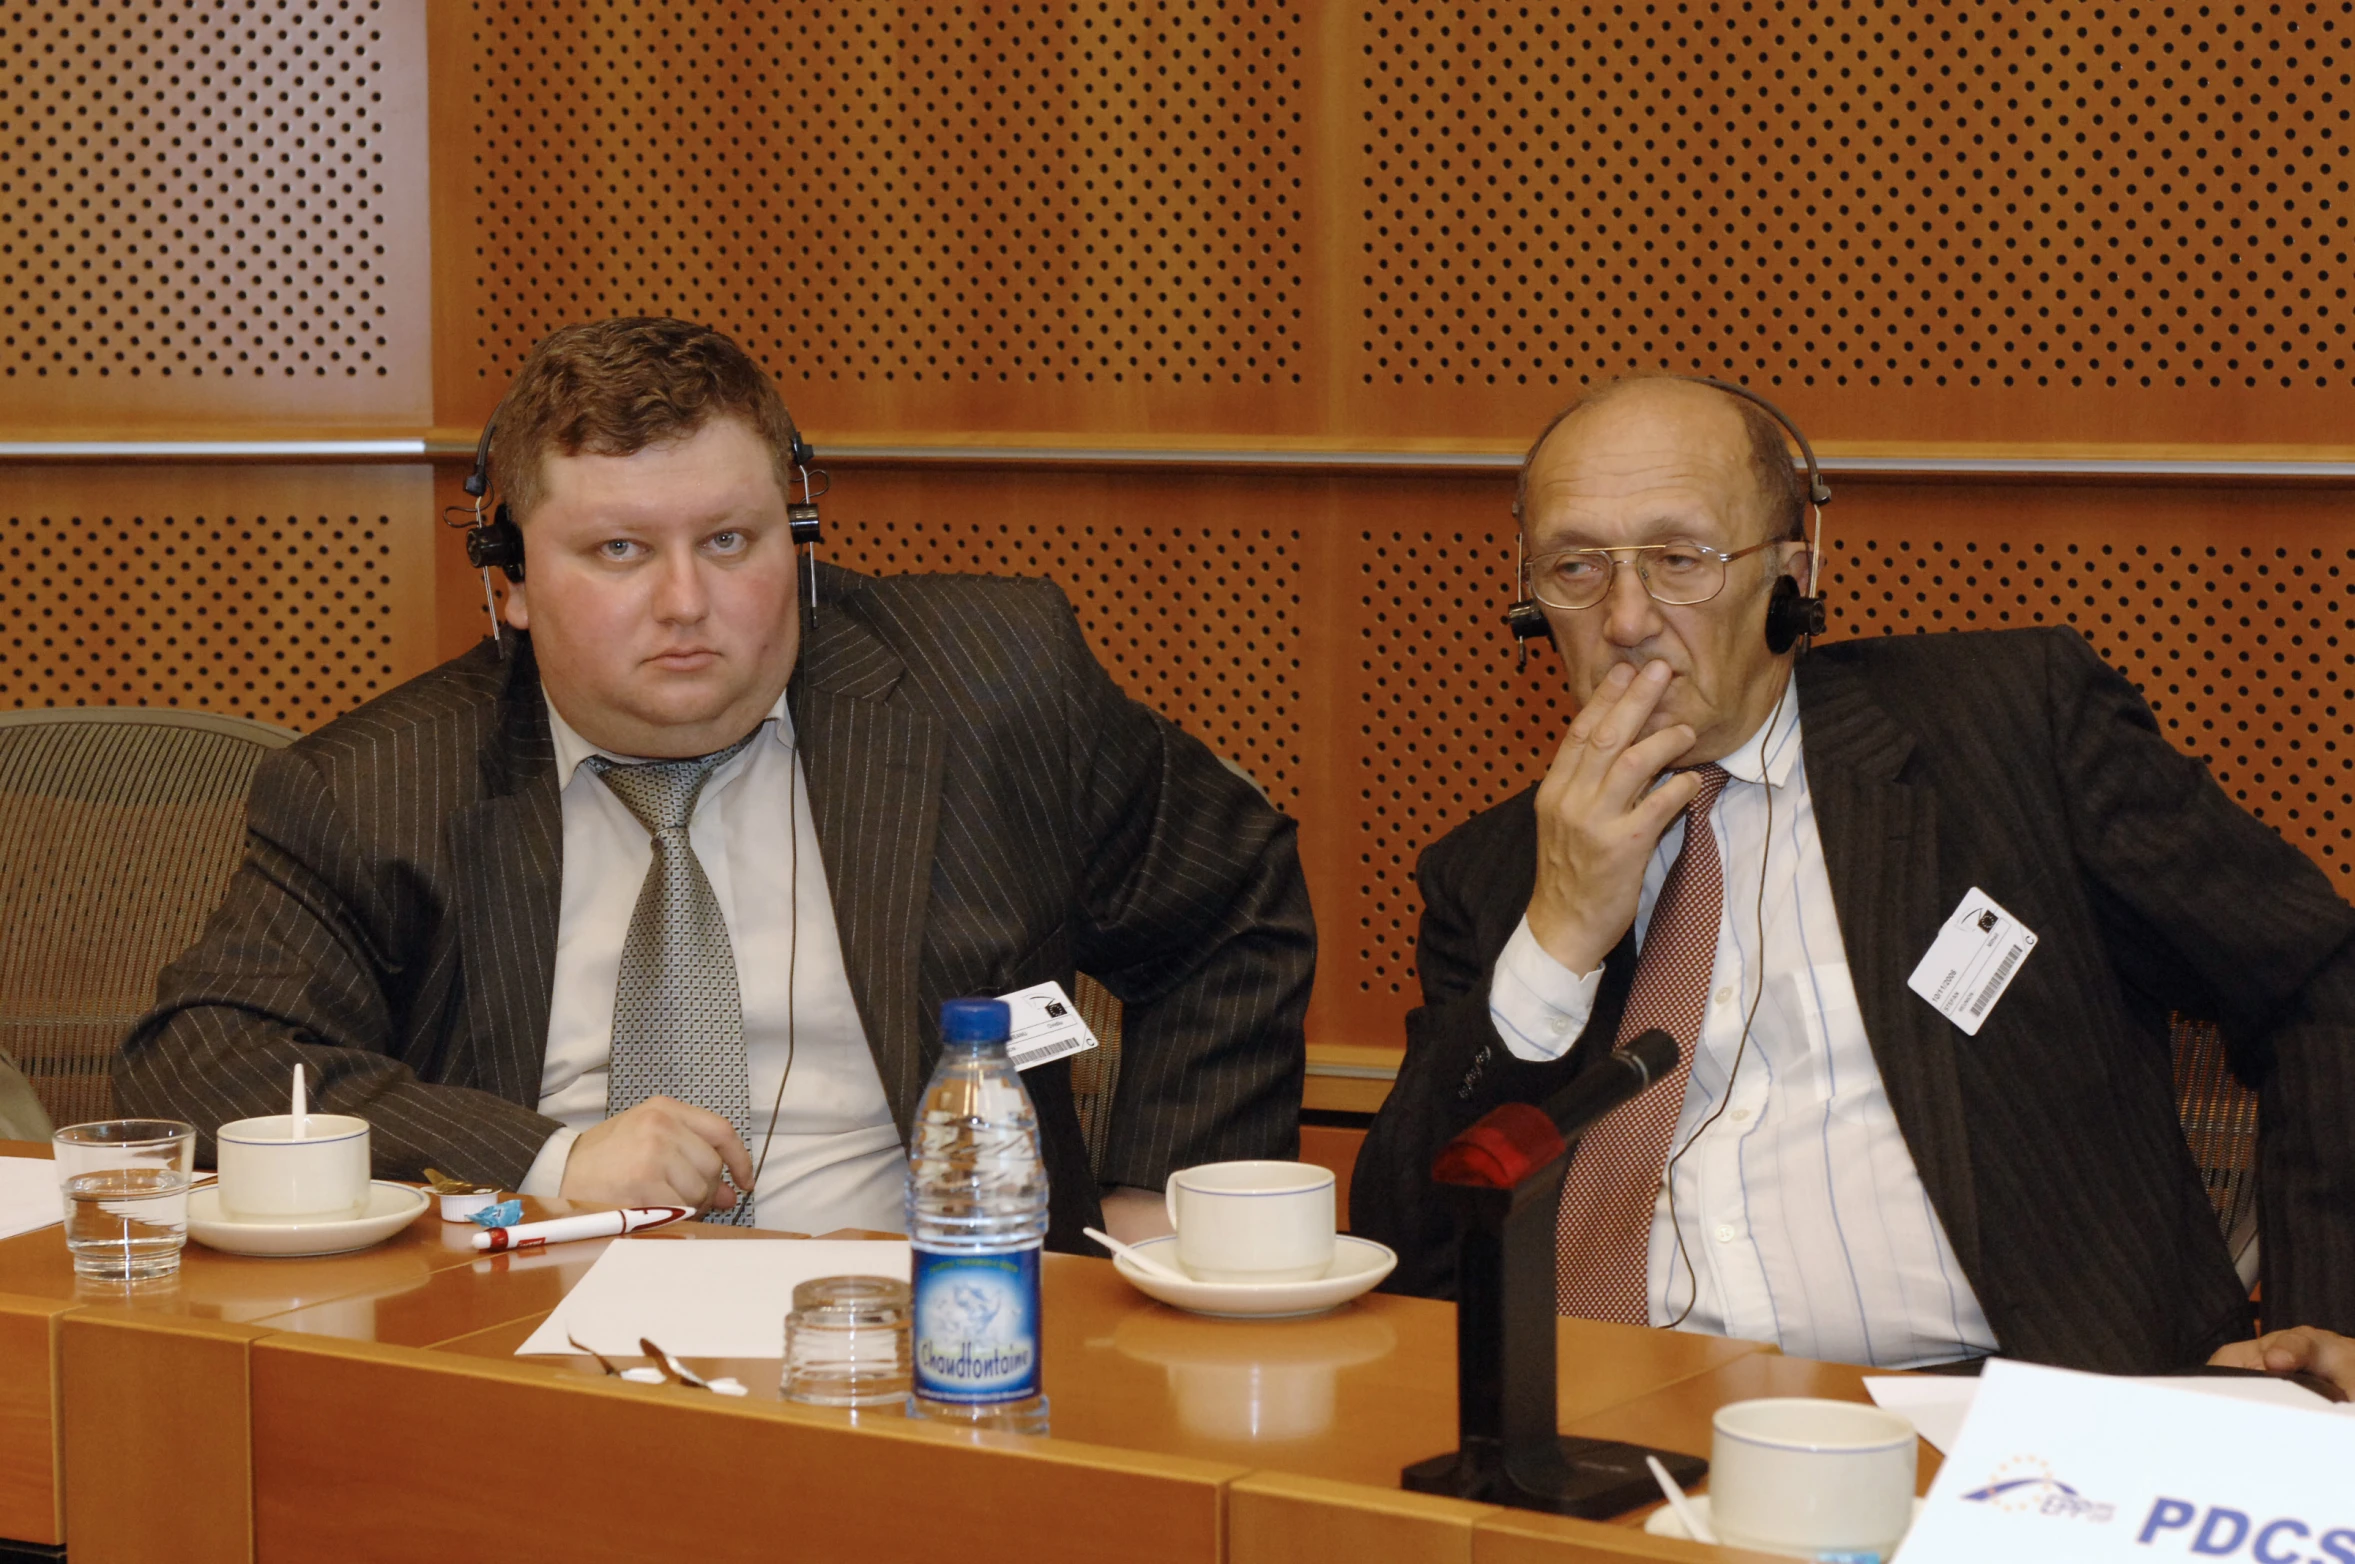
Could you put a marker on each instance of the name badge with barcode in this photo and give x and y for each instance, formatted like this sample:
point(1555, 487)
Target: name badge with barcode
point(1972, 962)
point(1047, 1025)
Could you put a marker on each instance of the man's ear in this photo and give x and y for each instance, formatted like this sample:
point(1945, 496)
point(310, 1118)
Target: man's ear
point(1796, 565)
point(516, 611)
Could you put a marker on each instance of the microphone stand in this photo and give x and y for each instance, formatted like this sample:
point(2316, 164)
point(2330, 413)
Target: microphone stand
point(1509, 1451)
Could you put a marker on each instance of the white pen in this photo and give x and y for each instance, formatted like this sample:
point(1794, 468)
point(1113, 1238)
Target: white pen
point(564, 1229)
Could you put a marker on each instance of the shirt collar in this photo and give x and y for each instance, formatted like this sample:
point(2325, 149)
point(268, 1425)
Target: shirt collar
point(572, 749)
point(1768, 754)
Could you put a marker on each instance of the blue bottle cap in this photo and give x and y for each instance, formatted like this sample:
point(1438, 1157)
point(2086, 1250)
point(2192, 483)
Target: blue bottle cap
point(976, 1021)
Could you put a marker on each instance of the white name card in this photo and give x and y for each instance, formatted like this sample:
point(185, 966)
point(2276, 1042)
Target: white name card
point(2081, 1468)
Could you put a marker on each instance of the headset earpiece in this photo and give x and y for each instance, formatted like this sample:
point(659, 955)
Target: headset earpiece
point(497, 544)
point(1527, 621)
point(1791, 614)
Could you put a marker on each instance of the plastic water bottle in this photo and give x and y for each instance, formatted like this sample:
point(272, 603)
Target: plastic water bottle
point(977, 1218)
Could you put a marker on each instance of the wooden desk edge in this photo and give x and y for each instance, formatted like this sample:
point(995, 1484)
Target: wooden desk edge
point(540, 1374)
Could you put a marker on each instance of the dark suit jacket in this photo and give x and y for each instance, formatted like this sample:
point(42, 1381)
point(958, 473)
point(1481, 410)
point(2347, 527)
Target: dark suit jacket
point(993, 813)
point(2049, 1143)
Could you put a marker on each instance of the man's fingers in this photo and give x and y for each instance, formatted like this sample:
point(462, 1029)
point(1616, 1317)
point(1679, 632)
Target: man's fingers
point(1657, 810)
point(709, 1129)
point(1631, 774)
point(2300, 1349)
point(1632, 710)
point(1600, 703)
point(2242, 1355)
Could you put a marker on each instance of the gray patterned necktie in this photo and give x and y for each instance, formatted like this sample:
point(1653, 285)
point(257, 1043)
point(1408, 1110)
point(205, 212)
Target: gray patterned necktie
point(678, 1020)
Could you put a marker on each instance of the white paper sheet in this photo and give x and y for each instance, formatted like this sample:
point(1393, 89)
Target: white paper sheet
point(1938, 1403)
point(702, 1300)
point(28, 1195)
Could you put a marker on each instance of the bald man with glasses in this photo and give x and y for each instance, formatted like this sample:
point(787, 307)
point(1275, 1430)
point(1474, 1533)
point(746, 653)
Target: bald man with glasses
point(1755, 851)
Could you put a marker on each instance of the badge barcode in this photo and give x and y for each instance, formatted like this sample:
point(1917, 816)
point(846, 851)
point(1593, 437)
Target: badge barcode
point(2011, 959)
point(1048, 1053)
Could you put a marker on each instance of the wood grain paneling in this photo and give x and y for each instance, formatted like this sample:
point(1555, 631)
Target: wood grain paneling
point(157, 1455)
point(890, 1489)
point(31, 1503)
point(1276, 1518)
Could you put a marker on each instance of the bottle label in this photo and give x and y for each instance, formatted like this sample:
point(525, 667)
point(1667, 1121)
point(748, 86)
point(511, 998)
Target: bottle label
point(976, 1326)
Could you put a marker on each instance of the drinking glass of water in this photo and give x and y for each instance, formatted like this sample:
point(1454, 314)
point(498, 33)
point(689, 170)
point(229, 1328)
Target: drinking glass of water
point(125, 1183)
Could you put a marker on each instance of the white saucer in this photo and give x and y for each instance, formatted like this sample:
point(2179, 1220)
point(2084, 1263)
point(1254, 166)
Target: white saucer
point(1662, 1522)
point(391, 1207)
point(1359, 1264)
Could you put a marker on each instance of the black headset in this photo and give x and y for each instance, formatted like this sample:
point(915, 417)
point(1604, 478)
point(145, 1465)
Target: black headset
point(1791, 615)
point(498, 542)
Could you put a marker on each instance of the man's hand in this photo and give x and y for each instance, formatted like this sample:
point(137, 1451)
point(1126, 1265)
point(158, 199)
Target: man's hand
point(1596, 824)
point(663, 1152)
point(2321, 1353)
point(1134, 1215)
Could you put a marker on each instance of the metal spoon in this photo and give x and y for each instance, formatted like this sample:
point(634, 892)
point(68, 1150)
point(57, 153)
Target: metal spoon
point(1137, 1257)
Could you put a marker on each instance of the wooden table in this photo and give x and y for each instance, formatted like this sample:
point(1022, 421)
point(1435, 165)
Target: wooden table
point(371, 1406)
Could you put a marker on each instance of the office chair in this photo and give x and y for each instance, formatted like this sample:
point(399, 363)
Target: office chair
point(2220, 1125)
point(119, 828)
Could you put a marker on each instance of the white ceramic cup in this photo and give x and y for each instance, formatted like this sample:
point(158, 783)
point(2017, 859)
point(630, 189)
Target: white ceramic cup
point(1795, 1475)
point(267, 1176)
point(1253, 1221)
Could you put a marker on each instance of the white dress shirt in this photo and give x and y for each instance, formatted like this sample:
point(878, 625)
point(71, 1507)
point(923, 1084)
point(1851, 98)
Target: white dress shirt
point(1804, 1219)
point(836, 1158)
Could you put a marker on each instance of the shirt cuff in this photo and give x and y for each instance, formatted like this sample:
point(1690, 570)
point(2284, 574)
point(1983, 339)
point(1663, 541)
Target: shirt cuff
point(1538, 1005)
point(545, 1181)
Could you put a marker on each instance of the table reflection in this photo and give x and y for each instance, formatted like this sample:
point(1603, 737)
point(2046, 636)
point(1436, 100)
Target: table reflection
point(1254, 1380)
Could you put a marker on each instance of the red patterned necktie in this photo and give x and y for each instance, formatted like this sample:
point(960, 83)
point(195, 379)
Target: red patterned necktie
point(1603, 1235)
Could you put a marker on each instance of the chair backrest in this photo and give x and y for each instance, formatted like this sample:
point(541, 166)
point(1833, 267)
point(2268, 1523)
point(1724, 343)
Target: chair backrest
point(2220, 1125)
point(1096, 1073)
point(119, 829)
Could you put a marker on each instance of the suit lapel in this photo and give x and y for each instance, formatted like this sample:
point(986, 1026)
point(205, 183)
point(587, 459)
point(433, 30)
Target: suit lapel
point(508, 853)
point(874, 761)
point(1880, 841)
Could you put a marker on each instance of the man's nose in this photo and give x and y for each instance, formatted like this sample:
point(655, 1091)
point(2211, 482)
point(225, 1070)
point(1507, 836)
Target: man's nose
point(1630, 617)
point(679, 595)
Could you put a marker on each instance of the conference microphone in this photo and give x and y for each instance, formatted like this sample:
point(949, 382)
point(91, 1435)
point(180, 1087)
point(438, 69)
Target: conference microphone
point(1512, 1142)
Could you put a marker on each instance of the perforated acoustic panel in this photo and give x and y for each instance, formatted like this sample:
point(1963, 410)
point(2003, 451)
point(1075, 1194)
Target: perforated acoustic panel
point(2023, 222)
point(214, 211)
point(289, 595)
point(1049, 215)
point(2069, 222)
point(1196, 612)
point(2236, 630)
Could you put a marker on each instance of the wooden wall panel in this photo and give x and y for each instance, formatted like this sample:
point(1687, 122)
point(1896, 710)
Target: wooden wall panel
point(1170, 218)
point(2053, 223)
point(1044, 216)
point(215, 215)
point(291, 594)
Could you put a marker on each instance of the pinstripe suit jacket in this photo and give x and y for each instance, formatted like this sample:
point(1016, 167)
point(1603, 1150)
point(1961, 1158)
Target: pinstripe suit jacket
point(2049, 1143)
point(993, 813)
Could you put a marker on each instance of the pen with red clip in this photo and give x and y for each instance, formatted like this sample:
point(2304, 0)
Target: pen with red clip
point(596, 1224)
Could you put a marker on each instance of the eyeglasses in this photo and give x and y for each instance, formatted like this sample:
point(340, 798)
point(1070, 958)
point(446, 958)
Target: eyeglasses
point(1674, 573)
